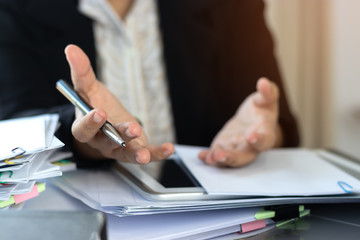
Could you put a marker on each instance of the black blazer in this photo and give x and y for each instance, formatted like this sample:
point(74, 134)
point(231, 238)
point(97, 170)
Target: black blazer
point(215, 50)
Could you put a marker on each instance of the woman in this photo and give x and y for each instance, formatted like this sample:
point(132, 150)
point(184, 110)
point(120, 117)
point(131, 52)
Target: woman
point(214, 53)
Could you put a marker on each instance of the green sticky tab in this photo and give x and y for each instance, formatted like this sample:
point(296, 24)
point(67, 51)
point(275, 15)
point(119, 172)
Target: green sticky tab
point(301, 208)
point(63, 162)
point(41, 187)
point(304, 213)
point(7, 202)
point(264, 214)
point(283, 223)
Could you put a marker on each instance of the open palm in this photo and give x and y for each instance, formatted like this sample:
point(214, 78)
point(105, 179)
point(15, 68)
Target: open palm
point(254, 128)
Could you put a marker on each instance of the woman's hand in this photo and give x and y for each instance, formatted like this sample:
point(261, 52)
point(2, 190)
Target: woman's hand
point(253, 129)
point(89, 140)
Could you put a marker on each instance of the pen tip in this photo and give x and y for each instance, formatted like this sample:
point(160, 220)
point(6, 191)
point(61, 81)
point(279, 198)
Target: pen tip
point(123, 144)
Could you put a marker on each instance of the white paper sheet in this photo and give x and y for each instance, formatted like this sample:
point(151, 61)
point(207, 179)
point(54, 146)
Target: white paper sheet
point(107, 192)
point(186, 225)
point(146, 227)
point(26, 133)
point(278, 172)
point(31, 134)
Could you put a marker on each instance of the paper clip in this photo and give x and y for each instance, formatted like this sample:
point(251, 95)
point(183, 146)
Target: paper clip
point(11, 173)
point(18, 155)
point(343, 186)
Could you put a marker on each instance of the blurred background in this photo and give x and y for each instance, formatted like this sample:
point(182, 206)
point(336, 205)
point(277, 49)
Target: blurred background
point(318, 50)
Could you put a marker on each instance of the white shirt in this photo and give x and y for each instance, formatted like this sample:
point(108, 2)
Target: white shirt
point(130, 63)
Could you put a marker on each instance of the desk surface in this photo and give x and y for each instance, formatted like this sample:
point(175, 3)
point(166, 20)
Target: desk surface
point(328, 221)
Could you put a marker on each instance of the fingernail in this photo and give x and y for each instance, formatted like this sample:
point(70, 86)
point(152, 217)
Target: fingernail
point(220, 156)
point(128, 133)
point(137, 159)
point(223, 159)
point(97, 118)
point(253, 140)
point(167, 153)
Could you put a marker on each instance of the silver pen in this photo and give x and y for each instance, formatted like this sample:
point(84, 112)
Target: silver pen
point(75, 99)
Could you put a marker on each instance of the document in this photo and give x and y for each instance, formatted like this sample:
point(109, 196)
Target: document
point(143, 219)
point(27, 144)
point(277, 172)
point(186, 225)
point(105, 191)
point(23, 136)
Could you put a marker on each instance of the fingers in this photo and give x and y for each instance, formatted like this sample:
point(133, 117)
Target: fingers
point(128, 130)
point(82, 74)
point(84, 129)
point(213, 157)
point(262, 138)
point(267, 92)
point(255, 141)
point(161, 152)
point(227, 158)
point(144, 154)
point(134, 152)
point(87, 130)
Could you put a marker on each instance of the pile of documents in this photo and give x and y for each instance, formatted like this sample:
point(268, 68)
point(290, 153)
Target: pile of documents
point(278, 178)
point(291, 176)
point(223, 224)
point(28, 145)
point(127, 210)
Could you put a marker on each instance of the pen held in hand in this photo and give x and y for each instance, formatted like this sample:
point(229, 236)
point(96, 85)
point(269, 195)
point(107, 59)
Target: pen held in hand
point(75, 99)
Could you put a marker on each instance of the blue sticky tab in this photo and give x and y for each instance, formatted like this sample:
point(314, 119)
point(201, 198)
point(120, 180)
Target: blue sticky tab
point(344, 186)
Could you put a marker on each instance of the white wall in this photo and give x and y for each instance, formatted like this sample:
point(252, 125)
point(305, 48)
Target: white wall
point(345, 21)
point(300, 36)
point(318, 48)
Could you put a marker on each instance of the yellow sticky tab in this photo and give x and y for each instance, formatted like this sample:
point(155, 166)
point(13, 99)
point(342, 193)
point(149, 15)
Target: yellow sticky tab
point(41, 187)
point(264, 214)
point(7, 202)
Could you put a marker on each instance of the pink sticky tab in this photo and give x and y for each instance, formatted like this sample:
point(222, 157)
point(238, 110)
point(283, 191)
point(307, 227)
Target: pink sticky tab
point(251, 226)
point(23, 197)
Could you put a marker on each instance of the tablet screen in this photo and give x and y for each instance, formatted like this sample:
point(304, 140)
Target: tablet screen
point(170, 174)
point(165, 180)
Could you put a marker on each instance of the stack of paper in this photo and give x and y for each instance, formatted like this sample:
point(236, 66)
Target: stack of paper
point(217, 224)
point(105, 191)
point(294, 176)
point(191, 225)
point(27, 146)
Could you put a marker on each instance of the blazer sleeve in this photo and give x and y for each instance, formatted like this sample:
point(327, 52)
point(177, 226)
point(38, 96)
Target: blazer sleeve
point(26, 88)
point(215, 51)
point(32, 59)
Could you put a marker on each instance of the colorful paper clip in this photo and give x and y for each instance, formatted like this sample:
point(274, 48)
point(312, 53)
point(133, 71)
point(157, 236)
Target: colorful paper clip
point(17, 156)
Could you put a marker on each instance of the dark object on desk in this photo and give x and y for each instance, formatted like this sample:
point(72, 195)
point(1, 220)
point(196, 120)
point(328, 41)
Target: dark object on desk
point(44, 225)
point(326, 221)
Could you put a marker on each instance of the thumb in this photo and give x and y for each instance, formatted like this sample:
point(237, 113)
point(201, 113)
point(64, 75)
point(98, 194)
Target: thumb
point(82, 74)
point(267, 92)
